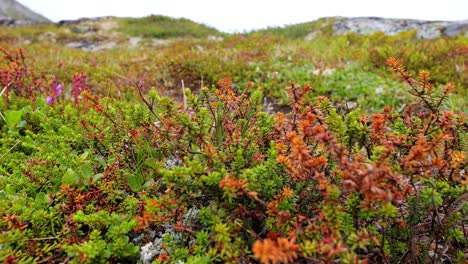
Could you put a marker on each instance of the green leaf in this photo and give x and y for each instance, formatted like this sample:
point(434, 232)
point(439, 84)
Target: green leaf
point(96, 177)
point(152, 163)
point(22, 123)
point(41, 198)
point(56, 187)
point(70, 177)
point(135, 182)
point(84, 156)
point(101, 161)
point(87, 171)
point(13, 118)
point(199, 260)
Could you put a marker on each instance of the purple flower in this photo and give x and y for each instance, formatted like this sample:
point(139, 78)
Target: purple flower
point(59, 88)
point(190, 112)
point(49, 100)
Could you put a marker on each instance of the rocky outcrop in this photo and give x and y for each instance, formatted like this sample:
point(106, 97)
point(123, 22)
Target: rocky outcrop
point(13, 13)
point(425, 29)
point(6, 21)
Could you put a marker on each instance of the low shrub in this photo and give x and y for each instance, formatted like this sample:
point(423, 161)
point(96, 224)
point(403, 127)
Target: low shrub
point(87, 178)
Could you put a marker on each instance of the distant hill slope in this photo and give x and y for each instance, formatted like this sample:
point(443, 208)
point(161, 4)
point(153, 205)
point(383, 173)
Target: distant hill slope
point(369, 25)
point(425, 29)
point(13, 11)
point(158, 26)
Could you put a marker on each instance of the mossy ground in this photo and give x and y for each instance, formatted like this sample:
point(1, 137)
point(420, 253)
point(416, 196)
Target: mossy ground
point(105, 151)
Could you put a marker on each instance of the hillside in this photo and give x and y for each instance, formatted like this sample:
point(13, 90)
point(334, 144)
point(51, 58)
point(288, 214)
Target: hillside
point(16, 13)
point(160, 140)
point(157, 26)
point(369, 25)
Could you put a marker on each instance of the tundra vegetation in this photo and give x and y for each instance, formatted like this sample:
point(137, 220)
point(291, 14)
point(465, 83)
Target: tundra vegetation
point(203, 147)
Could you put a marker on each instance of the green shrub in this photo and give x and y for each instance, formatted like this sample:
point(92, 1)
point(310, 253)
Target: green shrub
point(109, 170)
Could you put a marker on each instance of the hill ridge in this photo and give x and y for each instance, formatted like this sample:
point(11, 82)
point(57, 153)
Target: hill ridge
point(13, 12)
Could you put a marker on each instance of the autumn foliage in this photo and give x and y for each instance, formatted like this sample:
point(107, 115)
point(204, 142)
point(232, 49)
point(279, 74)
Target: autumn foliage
point(215, 179)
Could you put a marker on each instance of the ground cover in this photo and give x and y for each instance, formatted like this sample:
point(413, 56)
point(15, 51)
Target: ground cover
point(256, 147)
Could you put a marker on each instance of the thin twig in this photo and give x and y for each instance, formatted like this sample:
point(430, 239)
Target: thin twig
point(184, 97)
point(40, 238)
point(10, 150)
point(4, 89)
point(150, 106)
point(1, 93)
point(4, 119)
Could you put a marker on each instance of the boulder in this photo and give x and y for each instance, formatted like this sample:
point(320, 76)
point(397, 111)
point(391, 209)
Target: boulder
point(6, 21)
point(425, 29)
point(456, 29)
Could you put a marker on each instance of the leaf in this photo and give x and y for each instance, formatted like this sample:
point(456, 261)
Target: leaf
point(22, 123)
point(84, 156)
point(135, 182)
point(86, 171)
point(56, 187)
point(96, 177)
point(152, 163)
point(101, 161)
point(13, 118)
point(70, 177)
point(41, 198)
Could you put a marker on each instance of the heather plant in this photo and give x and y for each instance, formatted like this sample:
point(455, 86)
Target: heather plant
point(102, 168)
point(269, 60)
point(444, 57)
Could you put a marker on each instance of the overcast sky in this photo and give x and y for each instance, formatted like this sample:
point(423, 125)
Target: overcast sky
point(244, 15)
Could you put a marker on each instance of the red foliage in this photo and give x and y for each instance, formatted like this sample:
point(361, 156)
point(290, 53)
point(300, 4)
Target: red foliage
point(280, 250)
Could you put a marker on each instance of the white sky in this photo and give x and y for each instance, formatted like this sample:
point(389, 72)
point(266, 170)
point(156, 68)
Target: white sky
point(244, 15)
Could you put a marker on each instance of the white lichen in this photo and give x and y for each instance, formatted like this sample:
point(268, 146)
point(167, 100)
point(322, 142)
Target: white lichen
point(150, 251)
point(172, 162)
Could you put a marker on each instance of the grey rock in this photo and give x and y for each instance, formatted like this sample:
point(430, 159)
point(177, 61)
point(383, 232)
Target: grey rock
point(134, 41)
point(83, 20)
point(84, 45)
point(214, 38)
point(48, 36)
point(6, 21)
point(83, 29)
point(456, 29)
point(425, 29)
point(428, 32)
point(103, 46)
point(91, 46)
